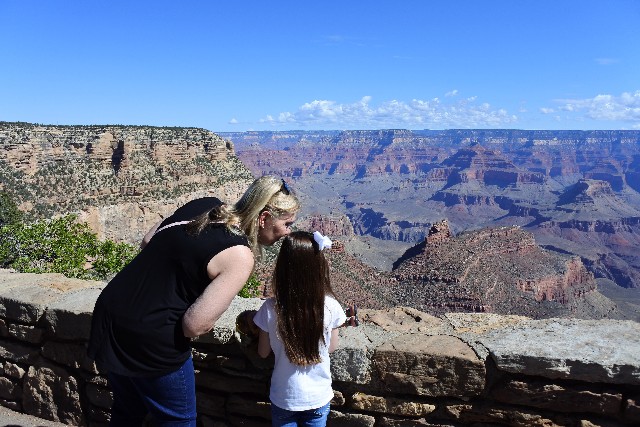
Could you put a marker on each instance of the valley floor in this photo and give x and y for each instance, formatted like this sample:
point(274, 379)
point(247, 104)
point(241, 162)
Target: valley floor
point(628, 300)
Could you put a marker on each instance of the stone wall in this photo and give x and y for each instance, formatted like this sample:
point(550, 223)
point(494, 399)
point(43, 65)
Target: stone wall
point(399, 368)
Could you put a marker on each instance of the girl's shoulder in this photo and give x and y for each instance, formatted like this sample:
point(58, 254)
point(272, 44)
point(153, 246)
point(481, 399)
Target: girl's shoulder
point(331, 302)
point(269, 303)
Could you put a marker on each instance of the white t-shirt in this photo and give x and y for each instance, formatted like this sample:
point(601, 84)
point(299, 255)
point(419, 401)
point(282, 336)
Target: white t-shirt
point(293, 387)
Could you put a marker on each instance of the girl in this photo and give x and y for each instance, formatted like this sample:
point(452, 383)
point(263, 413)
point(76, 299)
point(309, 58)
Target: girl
point(300, 325)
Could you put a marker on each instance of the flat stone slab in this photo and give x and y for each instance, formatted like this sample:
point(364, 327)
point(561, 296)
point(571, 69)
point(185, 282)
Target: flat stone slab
point(351, 362)
point(606, 351)
point(436, 365)
point(25, 297)
point(223, 331)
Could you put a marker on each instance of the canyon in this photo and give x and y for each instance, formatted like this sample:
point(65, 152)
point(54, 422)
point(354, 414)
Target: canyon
point(535, 236)
point(576, 192)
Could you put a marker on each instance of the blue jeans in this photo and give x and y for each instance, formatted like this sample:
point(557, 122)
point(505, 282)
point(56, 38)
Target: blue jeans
point(170, 399)
point(309, 418)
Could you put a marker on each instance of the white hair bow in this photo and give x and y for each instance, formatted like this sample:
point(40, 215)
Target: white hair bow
point(323, 241)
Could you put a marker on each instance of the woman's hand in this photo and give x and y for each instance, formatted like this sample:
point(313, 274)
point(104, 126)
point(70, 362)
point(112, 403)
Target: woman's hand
point(229, 271)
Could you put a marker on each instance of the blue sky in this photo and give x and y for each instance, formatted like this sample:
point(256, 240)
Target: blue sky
point(282, 65)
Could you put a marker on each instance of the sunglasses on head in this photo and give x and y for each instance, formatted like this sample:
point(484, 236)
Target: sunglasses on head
point(285, 188)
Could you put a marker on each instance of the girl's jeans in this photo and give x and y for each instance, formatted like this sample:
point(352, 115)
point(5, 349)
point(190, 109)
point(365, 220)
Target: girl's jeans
point(309, 418)
point(170, 399)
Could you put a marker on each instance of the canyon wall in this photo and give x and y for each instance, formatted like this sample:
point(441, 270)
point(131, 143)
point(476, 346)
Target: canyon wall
point(401, 367)
point(576, 191)
point(119, 179)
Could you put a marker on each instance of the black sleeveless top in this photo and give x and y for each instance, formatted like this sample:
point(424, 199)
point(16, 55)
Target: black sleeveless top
point(136, 328)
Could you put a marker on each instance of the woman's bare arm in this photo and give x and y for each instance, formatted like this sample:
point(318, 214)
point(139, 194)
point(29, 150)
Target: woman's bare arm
point(229, 271)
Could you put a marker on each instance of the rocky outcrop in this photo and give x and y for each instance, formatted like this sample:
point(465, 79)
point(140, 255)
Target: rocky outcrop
point(499, 270)
point(477, 163)
point(121, 179)
point(400, 367)
point(575, 283)
point(329, 225)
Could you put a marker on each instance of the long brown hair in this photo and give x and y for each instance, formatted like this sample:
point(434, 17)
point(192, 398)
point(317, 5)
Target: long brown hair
point(300, 283)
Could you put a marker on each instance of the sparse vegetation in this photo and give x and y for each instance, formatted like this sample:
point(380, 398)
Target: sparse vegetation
point(251, 288)
point(9, 212)
point(61, 245)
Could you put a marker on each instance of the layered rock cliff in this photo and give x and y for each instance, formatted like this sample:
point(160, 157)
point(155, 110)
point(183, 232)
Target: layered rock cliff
point(121, 179)
point(576, 191)
point(499, 270)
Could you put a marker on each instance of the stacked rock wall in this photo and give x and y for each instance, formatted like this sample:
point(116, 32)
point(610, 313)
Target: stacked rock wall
point(399, 368)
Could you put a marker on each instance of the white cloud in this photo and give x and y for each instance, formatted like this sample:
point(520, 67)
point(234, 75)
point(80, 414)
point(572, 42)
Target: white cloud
point(233, 121)
point(417, 113)
point(606, 61)
point(544, 110)
point(625, 108)
point(452, 93)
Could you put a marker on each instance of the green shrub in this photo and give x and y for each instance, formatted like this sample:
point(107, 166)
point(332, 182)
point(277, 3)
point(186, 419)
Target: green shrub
point(251, 289)
point(9, 212)
point(61, 245)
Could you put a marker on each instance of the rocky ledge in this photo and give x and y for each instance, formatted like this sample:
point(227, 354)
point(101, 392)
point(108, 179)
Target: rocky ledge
point(401, 367)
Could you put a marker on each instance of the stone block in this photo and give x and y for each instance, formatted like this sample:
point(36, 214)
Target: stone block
point(11, 404)
point(25, 304)
point(236, 421)
point(210, 404)
point(598, 351)
point(248, 406)
point(338, 399)
point(69, 354)
point(343, 419)
point(27, 333)
point(390, 405)
point(24, 297)
point(351, 362)
point(480, 323)
point(511, 416)
point(421, 422)
point(51, 393)
point(99, 417)
point(69, 316)
point(546, 395)
point(99, 396)
point(12, 370)
point(403, 319)
point(437, 365)
point(224, 329)
point(351, 365)
point(18, 353)
point(229, 384)
point(10, 389)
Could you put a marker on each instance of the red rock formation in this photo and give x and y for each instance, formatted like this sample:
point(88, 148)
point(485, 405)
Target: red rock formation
point(499, 270)
point(329, 225)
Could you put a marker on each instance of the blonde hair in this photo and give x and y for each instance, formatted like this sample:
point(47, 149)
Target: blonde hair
point(267, 193)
